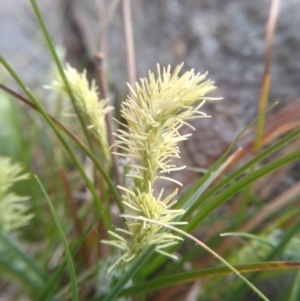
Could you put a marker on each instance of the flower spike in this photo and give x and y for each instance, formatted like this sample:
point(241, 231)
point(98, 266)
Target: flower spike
point(161, 106)
point(86, 96)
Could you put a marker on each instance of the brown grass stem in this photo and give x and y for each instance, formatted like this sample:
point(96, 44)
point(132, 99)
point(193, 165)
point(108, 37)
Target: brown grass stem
point(99, 63)
point(264, 93)
point(74, 211)
point(130, 53)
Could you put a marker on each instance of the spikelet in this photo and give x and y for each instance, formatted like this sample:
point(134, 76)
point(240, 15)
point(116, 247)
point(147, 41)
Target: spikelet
point(87, 102)
point(161, 107)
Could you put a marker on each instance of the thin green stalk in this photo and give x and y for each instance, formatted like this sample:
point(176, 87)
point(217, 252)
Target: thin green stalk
point(61, 71)
point(262, 105)
point(65, 243)
point(245, 201)
point(180, 278)
point(191, 255)
point(103, 214)
point(60, 68)
point(49, 287)
point(205, 247)
point(295, 292)
point(129, 274)
point(290, 214)
point(250, 236)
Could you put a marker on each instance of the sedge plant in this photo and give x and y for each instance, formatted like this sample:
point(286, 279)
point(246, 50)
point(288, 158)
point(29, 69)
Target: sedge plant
point(148, 135)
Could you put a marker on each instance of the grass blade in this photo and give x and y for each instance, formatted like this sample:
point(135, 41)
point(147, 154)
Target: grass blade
point(206, 177)
point(181, 278)
point(58, 273)
point(295, 292)
point(65, 243)
point(135, 267)
point(59, 67)
point(241, 170)
point(241, 289)
point(239, 185)
point(226, 194)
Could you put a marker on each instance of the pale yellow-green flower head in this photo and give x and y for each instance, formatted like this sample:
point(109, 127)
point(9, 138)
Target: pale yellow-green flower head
point(93, 110)
point(143, 234)
point(13, 208)
point(161, 106)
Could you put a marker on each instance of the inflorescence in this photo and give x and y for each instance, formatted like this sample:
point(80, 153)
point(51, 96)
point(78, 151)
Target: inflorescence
point(87, 102)
point(150, 137)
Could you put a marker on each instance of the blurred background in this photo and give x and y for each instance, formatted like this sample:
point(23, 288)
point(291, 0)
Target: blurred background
point(224, 37)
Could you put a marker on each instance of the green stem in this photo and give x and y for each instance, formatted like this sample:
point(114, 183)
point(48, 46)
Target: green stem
point(60, 68)
point(65, 243)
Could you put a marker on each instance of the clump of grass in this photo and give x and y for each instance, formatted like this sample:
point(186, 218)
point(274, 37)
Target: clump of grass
point(149, 132)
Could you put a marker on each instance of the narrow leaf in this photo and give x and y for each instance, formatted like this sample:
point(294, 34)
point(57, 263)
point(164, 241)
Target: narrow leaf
point(64, 241)
point(204, 273)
